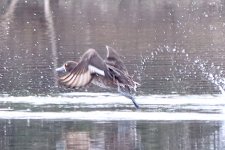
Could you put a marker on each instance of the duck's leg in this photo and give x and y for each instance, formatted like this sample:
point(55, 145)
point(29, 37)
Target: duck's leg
point(128, 95)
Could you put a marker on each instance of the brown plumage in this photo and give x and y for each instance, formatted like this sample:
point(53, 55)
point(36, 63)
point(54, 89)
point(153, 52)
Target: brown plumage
point(108, 73)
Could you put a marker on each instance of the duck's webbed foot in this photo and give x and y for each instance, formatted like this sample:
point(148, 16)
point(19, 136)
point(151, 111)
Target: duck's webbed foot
point(126, 92)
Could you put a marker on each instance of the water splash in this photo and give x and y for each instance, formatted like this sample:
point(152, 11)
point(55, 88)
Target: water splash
point(211, 73)
point(207, 70)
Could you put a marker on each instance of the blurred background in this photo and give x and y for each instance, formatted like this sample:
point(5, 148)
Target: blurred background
point(174, 48)
point(168, 46)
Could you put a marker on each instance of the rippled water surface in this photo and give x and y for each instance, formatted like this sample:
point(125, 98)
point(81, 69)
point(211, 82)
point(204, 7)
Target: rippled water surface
point(109, 121)
point(174, 49)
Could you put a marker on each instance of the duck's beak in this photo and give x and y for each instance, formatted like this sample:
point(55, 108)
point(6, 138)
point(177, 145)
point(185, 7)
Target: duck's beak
point(60, 69)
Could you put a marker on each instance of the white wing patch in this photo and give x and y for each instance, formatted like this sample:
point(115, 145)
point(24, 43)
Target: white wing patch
point(94, 69)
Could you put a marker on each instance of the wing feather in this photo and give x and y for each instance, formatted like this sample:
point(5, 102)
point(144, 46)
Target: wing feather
point(70, 82)
point(113, 59)
point(80, 81)
point(65, 76)
point(82, 74)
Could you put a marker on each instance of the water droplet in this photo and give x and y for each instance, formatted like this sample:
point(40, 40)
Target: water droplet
point(206, 15)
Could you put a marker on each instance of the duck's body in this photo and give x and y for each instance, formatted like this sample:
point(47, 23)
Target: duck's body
point(108, 73)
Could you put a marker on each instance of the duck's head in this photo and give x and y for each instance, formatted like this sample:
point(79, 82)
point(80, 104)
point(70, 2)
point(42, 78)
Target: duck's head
point(67, 67)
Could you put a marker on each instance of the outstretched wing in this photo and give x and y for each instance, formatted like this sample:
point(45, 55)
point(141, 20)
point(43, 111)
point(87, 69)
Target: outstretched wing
point(113, 59)
point(90, 64)
point(118, 75)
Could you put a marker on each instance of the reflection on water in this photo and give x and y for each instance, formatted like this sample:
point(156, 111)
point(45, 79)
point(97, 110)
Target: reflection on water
point(126, 135)
point(93, 121)
point(169, 46)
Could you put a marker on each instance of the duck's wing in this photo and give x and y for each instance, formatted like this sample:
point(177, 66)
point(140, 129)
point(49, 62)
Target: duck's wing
point(125, 84)
point(122, 78)
point(89, 65)
point(113, 59)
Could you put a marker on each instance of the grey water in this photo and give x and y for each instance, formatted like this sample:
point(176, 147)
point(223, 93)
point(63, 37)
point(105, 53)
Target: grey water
point(174, 49)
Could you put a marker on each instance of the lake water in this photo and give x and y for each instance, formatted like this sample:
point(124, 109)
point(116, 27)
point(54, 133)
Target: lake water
point(109, 121)
point(174, 49)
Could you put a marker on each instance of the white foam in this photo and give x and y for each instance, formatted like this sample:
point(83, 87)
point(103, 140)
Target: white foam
point(165, 107)
point(111, 115)
point(106, 98)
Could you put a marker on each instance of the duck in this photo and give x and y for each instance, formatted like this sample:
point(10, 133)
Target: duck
point(108, 73)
